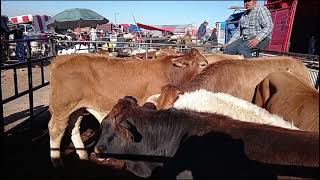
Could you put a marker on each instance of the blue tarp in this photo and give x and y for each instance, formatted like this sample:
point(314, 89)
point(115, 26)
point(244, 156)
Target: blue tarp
point(232, 25)
point(134, 28)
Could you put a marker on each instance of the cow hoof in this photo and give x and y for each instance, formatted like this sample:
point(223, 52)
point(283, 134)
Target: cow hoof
point(84, 156)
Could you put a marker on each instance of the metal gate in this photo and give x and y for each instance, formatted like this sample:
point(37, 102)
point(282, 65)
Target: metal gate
point(29, 61)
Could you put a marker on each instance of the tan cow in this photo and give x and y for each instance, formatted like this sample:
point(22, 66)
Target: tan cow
point(95, 83)
point(215, 57)
point(288, 96)
point(211, 58)
point(167, 51)
point(237, 78)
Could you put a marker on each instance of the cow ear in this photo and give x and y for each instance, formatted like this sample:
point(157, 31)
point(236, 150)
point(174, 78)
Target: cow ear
point(180, 61)
point(130, 130)
point(139, 168)
point(131, 99)
point(194, 51)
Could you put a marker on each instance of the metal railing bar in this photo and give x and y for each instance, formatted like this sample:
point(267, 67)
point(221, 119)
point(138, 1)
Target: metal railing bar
point(42, 72)
point(11, 66)
point(15, 81)
point(28, 40)
point(30, 79)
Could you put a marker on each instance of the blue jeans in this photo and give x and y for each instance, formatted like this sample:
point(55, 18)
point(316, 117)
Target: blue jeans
point(240, 47)
point(20, 51)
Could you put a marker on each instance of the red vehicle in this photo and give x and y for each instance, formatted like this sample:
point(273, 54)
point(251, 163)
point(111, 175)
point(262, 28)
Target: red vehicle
point(295, 27)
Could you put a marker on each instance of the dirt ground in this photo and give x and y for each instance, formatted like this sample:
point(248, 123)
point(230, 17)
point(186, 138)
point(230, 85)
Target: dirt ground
point(17, 111)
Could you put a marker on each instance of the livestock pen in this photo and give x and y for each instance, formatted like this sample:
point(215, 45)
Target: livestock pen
point(27, 145)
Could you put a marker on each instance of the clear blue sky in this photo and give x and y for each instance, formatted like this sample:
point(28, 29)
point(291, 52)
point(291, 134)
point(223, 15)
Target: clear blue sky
point(148, 12)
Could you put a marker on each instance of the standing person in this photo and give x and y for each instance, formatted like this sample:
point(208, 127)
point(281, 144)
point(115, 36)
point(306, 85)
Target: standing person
point(93, 37)
point(202, 32)
point(107, 36)
point(254, 30)
point(18, 35)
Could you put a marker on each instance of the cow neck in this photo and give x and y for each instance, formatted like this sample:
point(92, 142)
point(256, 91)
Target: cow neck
point(162, 131)
point(204, 80)
point(178, 75)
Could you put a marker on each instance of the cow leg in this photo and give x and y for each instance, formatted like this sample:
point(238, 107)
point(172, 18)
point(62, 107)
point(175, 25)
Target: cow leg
point(76, 138)
point(56, 128)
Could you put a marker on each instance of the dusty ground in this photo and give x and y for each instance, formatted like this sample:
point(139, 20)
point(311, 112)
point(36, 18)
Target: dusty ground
point(17, 110)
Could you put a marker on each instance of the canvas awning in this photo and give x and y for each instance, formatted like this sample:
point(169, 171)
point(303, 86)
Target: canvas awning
point(148, 27)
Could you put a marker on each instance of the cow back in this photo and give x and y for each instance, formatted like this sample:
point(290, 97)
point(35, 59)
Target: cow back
point(239, 78)
point(291, 97)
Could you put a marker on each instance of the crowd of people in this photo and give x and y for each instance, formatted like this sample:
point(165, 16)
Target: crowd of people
point(253, 33)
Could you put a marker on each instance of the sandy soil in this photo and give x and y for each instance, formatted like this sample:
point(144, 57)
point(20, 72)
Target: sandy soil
point(18, 110)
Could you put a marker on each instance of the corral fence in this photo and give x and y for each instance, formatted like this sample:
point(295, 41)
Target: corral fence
point(28, 60)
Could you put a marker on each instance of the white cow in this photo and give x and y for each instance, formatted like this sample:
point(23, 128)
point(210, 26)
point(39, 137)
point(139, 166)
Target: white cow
point(225, 104)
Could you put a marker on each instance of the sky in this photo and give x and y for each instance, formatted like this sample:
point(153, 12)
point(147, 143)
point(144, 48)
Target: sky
point(147, 12)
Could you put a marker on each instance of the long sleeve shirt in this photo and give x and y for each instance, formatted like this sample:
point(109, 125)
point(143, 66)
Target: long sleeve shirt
point(257, 23)
point(201, 31)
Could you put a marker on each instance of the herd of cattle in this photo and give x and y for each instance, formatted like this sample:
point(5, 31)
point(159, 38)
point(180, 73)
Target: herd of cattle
point(216, 116)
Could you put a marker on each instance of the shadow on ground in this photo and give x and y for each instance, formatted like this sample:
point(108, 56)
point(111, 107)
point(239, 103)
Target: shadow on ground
point(25, 153)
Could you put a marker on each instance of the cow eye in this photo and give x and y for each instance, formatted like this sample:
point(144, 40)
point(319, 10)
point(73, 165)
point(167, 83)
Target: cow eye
point(203, 65)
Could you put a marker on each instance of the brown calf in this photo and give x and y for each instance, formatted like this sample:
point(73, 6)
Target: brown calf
point(213, 58)
point(237, 78)
point(209, 145)
point(95, 83)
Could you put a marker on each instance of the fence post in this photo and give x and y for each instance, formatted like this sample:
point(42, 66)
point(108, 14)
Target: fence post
point(30, 79)
point(52, 47)
point(1, 114)
point(146, 51)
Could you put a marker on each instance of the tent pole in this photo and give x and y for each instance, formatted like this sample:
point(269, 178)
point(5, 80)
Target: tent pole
point(137, 25)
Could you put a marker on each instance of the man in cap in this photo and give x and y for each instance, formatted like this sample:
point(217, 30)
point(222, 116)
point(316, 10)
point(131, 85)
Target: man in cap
point(253, 32)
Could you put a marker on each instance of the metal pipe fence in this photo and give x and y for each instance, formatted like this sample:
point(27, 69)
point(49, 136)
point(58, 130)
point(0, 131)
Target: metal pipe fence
point(27, 61)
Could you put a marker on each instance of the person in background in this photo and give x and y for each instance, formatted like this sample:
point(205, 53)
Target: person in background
point(202, 32)
point(253, 32)
point(4, 37)
point(213, 39)
point(20, 50)
point(188, 37)
point(107, 36)
point(93, 37)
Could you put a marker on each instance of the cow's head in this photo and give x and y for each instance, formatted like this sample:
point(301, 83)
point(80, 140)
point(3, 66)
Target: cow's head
point(193, 58)
point(186, 67)
point(121, 136)
point(169, 94)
